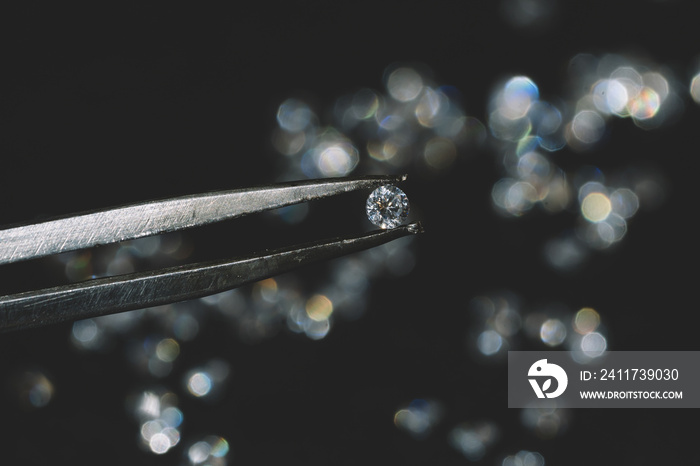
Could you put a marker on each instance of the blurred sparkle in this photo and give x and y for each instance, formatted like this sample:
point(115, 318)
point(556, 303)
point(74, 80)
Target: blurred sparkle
point(209, 380)
point(159, 417)
point(33, 389)
point(211, 450)
point(553, 332)
point(524, 458)
point(419, 418)
point(473, 439)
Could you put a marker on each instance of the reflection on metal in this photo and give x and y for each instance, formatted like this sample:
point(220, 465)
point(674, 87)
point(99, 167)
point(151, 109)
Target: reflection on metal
point(146, 289)
point(150, 218)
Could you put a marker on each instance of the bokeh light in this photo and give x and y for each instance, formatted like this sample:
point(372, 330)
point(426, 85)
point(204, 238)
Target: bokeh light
point(589, 341)
point(644, 105)
point(524, 458)
point(333, 155)
point(294, 116)
point(319, 307)
point(586, 321)
point(593, 344)
point(596, 207)
point(473, 439)
point(587, 128)
point(498, 320)
point(489, 342)
point(546, 421)
point(518, 95)
point(211, 450)
point(610, 96)
point(695, 88)
point(209, 380)
point(159, 418)
point(440, 153)
point(553, 332)
point(404, 84)
point(33, 389)
point(530, 129)
point(419, 418)
point(199, 384)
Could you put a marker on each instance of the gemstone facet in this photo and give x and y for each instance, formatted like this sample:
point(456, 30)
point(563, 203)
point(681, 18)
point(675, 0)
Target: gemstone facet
point(387, 207)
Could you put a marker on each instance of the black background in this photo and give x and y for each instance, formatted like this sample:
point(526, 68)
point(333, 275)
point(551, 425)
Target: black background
point(111, 104)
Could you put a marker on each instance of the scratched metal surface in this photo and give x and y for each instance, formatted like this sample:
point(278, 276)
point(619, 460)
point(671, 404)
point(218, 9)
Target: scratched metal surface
point(150, 218)
point(139, 290)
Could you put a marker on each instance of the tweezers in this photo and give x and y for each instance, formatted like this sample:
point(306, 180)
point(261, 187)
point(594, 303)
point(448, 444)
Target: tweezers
point(108, 295)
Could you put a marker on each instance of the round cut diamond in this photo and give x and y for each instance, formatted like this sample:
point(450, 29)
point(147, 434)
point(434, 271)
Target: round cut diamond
point(387, 206)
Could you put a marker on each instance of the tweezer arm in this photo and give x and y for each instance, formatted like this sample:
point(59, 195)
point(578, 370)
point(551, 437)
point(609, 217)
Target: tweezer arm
point(146, 289)
point(151, 218)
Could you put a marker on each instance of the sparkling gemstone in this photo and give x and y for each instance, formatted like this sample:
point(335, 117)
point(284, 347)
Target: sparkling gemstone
point(387, 206)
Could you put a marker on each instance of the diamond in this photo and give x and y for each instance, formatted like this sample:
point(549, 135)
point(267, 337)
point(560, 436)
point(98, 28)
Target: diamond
point(387, 206)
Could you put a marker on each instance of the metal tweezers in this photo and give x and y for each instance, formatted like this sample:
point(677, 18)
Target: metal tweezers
point(102, 296)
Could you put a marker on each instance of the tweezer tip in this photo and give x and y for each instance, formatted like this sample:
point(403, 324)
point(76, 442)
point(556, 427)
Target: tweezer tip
point(415, 228)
